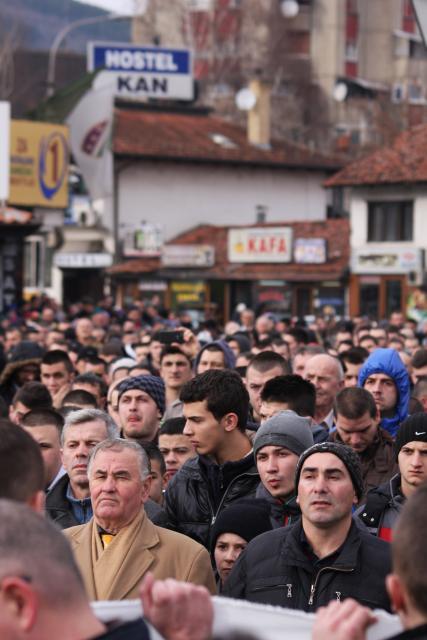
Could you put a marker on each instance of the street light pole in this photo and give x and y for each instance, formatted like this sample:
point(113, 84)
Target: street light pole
point(53, 51)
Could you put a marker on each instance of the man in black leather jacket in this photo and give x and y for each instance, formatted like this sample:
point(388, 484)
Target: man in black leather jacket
point(324, 557)
point(216, 407)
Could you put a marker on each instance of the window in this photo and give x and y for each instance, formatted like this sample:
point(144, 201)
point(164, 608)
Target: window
point(390, 221)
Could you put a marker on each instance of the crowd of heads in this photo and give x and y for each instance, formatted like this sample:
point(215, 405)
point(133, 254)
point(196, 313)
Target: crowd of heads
point(123, 401)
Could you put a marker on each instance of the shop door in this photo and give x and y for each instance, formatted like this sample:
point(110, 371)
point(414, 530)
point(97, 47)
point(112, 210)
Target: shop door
point(377, 296)
point(369, 296)
point(303, 301)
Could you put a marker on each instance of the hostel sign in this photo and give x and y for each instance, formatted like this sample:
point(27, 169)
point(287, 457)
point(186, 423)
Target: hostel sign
point(260, 244)
point(144, 72)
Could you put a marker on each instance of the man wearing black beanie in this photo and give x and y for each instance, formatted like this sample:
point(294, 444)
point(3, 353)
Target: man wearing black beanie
point(326, 555)
point(384, 503)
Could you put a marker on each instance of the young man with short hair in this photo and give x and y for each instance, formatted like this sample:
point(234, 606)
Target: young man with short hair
point(57, 373)
point(33, 395)
point(384, 503)
point(357, 422)
point(294, 393)
point(263, 367)
point(174, 446)
point(175, 369)
point(216, 407)
point(45, 426)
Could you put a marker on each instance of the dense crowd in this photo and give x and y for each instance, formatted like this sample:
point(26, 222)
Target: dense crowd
point(267, 460)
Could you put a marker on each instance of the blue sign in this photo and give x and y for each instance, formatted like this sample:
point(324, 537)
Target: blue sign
point(132, 58)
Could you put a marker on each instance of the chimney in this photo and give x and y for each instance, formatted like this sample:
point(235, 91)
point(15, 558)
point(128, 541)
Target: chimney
point(259, 115)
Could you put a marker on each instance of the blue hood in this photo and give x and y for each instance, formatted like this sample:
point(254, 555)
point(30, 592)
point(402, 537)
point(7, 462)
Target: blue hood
point(229, 357)
point(387, 361)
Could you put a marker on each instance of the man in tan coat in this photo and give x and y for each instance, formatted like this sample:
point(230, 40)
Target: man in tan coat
point(119, 545)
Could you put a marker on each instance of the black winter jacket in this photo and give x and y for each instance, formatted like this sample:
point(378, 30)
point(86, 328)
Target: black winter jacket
point(58, 508)
point(201, 489)
point(276, 569)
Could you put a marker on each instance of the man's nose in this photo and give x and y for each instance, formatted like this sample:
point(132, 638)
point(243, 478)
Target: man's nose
point(109, 484)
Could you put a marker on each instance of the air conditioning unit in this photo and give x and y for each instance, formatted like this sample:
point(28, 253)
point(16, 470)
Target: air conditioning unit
point(398, 93)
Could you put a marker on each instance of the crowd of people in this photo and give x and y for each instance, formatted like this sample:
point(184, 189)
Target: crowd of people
point(267, 460)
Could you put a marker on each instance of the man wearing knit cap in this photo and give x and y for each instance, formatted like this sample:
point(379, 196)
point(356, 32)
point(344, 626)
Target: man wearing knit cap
point(384, 503)
point(141, 405)
point(277, 446)
point(323, 557)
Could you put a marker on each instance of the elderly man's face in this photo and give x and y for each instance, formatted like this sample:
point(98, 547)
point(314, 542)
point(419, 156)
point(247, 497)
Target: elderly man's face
point(117, 490)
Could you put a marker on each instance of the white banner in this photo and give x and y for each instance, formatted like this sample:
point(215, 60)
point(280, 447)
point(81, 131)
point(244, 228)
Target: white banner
point(90, 125)
point(261, 621)
point(4, 150)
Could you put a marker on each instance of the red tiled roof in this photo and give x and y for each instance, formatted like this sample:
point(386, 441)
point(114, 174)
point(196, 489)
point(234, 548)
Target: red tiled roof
point(404, 161)
point(336, 232)
point(188, 137)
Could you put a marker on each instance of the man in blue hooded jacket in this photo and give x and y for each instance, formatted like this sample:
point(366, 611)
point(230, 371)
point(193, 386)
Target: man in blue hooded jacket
point(385, 377)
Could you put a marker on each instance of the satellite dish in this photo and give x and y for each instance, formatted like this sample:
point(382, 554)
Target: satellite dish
point(340, 91)
point(245, 99)
point(289, 8)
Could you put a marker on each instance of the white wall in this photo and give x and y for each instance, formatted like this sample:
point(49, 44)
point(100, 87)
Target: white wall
point(359, 215)
point(182, 196)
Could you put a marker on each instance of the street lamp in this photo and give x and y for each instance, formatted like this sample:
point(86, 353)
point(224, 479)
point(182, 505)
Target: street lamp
point(53, 51)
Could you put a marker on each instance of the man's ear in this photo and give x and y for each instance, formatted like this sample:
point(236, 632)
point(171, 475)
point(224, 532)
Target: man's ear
point(19, 602)
point(230, 421)
point(37, 501)
point(396, 593)
point(146, 486)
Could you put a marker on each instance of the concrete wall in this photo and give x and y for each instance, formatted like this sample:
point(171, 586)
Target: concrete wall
point(180, 197)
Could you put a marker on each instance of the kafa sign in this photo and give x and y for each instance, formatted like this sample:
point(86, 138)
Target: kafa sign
point(260, 244)
point(144, 72)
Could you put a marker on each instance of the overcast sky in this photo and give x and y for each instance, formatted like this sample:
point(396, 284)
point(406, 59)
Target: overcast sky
point(118, 6)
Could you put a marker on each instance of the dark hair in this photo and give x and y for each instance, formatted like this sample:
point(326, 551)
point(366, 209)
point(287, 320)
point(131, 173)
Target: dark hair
point(21, 463)
point(300, 334)
point(92, 359)
point(153, 453)
point(297, 393)
point(172, 427)
point(43, 417)
point(355, 355)
point(76, 397)
point(33, 395)
point(352, 403)
point(419, 359)
point(223, 391)
point(94, 380)
point(55, 357)
point(408, 548)
point(420, 388)
point(267, 360)
point(4, 412)
point(171, 350)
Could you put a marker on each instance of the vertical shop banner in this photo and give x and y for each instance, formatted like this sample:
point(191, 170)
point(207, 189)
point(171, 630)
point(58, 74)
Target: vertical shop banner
point(38, 164)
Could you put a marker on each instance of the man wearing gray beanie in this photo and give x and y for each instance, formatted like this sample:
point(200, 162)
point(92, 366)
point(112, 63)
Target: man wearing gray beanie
point(277, 446)
point(323, 556)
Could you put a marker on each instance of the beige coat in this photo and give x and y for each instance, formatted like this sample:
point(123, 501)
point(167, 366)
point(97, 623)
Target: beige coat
point(115, 573)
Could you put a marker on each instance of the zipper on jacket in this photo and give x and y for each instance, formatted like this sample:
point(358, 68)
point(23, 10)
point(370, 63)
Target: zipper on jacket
point(314, 584)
